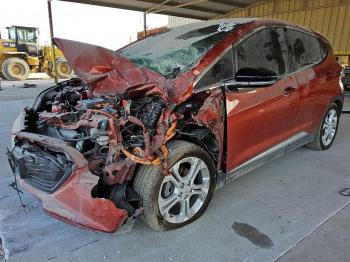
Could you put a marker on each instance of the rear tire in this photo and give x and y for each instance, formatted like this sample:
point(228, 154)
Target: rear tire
point(14, 68)
point(150, 184)
point(64, 71)
point(327, 131)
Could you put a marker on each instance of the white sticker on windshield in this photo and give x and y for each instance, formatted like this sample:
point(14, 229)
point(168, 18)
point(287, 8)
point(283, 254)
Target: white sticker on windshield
point(226, 27)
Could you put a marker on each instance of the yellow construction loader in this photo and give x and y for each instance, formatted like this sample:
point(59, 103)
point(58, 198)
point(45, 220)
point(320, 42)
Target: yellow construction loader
point(21, 54)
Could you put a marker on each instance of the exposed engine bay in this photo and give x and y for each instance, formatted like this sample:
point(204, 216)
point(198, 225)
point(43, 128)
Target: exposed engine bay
point(113, 134)
point(96, 125)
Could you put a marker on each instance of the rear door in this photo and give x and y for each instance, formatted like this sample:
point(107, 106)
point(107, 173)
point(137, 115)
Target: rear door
point(314, 77)
point(259, 118)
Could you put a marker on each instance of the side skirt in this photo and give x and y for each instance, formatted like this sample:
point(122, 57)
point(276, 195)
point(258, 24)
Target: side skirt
point(277, 151)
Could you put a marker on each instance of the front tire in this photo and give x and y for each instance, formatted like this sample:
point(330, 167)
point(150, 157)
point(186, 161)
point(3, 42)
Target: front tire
point(327, 131)
point(173, 201)
point(14, 68)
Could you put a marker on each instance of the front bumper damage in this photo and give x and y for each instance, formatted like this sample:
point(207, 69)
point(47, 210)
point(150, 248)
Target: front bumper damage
point(71, 201)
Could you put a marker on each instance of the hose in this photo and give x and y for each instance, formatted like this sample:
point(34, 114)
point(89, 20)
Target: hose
point(169, 134)
point(72, 139)
point(93, 150)
point(104, 113)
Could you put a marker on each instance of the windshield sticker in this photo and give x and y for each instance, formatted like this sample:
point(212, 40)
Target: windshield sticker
point(226, 27)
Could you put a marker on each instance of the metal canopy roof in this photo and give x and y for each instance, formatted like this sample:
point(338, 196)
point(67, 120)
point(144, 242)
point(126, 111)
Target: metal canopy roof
point(196, 9)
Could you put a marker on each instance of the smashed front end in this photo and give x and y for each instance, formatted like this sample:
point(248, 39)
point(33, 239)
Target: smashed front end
point(80, 143)
point(76, 152)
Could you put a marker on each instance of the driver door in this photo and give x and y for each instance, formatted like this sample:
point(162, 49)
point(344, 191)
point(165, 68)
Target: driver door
point(261, 117)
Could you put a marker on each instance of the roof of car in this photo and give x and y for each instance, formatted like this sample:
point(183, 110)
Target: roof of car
point(202, 24)
point(238, 21)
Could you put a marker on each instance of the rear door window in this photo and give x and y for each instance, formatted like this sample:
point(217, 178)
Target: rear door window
point(266, 50)
point(304, 50)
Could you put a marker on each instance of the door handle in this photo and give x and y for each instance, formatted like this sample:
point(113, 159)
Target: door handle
point(288, 90)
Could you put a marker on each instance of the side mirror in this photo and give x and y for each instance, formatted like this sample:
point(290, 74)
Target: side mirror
point(253, 77)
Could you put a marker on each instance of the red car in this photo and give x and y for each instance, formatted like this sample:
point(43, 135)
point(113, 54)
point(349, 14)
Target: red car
point(158, 125)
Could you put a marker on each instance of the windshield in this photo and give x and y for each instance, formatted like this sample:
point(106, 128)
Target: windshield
point(179, 49)
point(26, 35)
point(12, 33)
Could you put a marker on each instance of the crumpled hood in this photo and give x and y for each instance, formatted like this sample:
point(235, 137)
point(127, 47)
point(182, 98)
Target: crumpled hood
point(108, 73)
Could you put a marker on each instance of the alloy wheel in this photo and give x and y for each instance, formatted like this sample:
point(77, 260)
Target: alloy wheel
point(184, 191)
point(329, 127)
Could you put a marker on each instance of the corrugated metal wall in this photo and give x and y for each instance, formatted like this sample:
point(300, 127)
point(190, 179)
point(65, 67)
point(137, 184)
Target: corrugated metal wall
point(329, 17)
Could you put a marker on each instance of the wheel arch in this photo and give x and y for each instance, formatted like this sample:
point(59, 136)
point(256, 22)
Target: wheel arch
point(190, 137)
point(202, 137)
point(339, 102)
point(6, 55)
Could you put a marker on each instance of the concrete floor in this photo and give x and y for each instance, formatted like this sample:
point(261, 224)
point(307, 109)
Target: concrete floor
point(287, 210)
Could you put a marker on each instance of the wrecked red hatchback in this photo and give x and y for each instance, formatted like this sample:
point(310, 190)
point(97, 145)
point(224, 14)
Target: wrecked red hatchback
point(155, 127)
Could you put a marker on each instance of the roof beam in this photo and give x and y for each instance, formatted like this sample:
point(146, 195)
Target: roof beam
point(112, 5)
point(230, 3)
point(178, 6)
point(207, 13)
point(185, 15)
point(190, 6)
